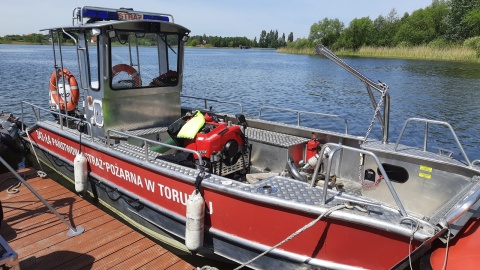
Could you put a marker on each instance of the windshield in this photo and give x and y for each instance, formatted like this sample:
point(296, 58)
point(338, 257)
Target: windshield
point(143, 60)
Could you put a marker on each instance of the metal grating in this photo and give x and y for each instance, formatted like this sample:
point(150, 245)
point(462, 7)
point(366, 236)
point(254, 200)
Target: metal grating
point(300, 192)
point(274, 138)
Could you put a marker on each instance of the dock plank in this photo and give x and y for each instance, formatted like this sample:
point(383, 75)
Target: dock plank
point(114, 261)
point(41, 240)
point(114, 246)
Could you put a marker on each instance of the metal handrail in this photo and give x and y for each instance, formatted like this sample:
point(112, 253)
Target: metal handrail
point(148, 142)
point(214, 100)
point(304, 112)
point(425, 139)
point(73, 230)
point(339, 148)
point(468, 201)
point(37, 117)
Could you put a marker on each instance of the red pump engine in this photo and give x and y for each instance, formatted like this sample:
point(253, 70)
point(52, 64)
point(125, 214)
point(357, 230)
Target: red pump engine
point(224, 146)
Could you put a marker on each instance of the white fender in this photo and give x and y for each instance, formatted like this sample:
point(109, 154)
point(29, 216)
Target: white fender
point(194, 229)
point(80, 173)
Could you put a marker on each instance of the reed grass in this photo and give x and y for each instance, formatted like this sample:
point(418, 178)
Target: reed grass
point(295, 51)
point(450, 53)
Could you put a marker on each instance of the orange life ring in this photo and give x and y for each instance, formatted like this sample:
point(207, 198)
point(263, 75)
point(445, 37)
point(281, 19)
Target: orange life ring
point(137, 82)
point(168, 78)
point(54, 79)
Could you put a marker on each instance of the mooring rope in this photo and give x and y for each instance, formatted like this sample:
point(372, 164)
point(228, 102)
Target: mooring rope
point(414, 227)
point(40, 173)
point(446, 250)
point(290, 237)
point(13, 188)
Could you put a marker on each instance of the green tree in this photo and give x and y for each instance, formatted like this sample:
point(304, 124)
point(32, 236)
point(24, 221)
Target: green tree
point(262, 41)
point(281, 41)
point(274, 42)
point(385, 29)
point(460, 19)
point(255, 43)
point(358, 33)
point(37, 38)
point(290, 37)
point(193, 42)
point(326, 31)
point(423, 26)
point(472, 20)
point(300, 43)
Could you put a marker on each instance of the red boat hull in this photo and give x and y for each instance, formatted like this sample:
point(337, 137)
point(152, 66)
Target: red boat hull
point(335, 241)
point(463, 251)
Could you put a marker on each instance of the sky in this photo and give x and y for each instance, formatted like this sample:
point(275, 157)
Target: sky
point(224, 18)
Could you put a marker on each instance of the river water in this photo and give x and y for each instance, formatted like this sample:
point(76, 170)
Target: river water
point(447, 91)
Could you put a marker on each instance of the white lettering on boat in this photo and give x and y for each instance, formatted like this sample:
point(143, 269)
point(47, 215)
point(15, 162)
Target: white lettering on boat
point(124, 174)
point(124, 16)
point(94, 161)
point(117, 171)
point(57, 143)
point(150, 185)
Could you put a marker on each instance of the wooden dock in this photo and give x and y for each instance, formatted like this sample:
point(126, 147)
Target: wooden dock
point(40, 238)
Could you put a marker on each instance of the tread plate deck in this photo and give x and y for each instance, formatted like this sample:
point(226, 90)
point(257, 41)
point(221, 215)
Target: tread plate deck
point(40, 238)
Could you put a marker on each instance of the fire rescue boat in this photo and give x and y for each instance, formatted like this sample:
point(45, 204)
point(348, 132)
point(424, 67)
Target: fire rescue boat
point(260, 193)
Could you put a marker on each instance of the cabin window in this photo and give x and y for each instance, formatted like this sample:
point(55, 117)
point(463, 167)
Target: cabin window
point(141, 60)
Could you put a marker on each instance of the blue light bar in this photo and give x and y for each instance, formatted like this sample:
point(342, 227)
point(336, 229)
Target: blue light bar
point(107, 14)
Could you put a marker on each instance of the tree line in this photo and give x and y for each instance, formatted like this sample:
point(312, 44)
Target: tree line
point(31, 38)
point(266, 40)
point(443, 23)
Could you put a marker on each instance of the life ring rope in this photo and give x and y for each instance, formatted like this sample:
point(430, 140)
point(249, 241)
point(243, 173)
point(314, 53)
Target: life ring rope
point(75, 94)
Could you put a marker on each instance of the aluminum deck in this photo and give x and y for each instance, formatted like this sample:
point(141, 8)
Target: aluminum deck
point(40, 238)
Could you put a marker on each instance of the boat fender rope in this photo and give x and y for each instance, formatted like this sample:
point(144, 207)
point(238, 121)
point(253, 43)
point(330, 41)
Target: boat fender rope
point(40, 173)
point(198, 180)
point(80, 136)
point(293, 235)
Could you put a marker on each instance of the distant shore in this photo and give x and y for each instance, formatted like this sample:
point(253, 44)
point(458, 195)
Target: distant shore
point(454, 53)
point(23, 43)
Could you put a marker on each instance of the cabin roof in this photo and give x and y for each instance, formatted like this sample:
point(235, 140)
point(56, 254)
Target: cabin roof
point(136, 25)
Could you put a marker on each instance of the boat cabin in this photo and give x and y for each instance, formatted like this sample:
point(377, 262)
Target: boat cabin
point(130, 70)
